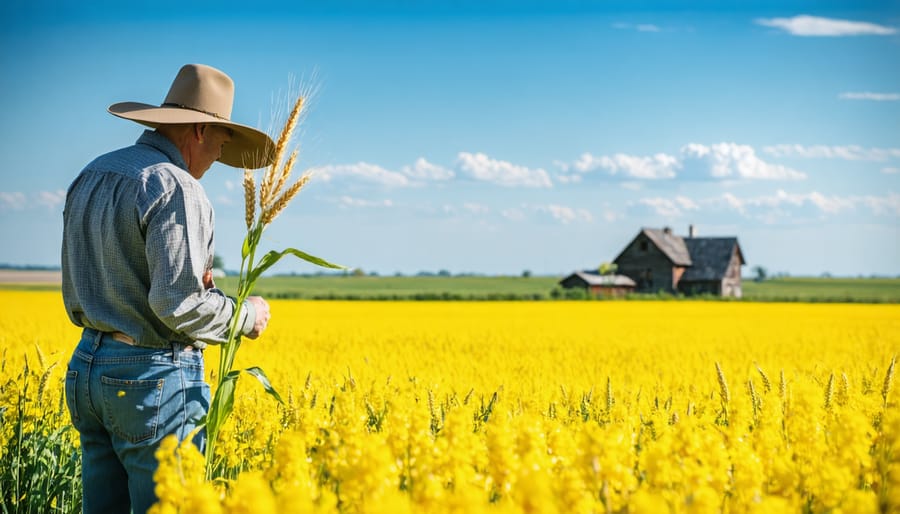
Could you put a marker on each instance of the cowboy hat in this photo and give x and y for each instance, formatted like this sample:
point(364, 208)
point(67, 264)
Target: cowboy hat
point(203, 94)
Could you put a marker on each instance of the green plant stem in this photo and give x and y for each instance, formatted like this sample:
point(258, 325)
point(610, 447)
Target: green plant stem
point(229, 349)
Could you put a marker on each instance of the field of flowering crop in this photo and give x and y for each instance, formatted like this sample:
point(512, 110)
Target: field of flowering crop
point(506, 407)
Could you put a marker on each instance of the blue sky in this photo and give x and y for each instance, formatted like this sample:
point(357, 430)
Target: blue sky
point(492, 139)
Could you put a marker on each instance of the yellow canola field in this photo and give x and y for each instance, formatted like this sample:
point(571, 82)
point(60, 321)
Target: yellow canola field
point(673, 406)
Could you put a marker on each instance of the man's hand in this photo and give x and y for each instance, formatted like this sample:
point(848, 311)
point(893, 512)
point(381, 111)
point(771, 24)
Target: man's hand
point(208, 282)
point(262, 316)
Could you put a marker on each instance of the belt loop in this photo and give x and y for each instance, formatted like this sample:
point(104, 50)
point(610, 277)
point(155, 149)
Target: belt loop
point(98, 336)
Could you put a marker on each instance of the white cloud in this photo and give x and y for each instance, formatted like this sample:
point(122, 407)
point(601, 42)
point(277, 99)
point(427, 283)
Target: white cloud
point(866, 95)
point(733, 202)
point(424, 170)
point(564, 214)
point(364, 171)
point(888, 204)
point(347, 201)
point(718, 161)
point(560, 213)
point(848, 152)
point(670, 207)
point(658, 166)
point(481, 167)
point(13, 200)
point(731, 160)
point(805, 25)
point(52, 199)
point(890, 170)
point(18, 201)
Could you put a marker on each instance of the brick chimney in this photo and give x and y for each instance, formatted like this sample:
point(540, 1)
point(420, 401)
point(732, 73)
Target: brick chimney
point(691, 231)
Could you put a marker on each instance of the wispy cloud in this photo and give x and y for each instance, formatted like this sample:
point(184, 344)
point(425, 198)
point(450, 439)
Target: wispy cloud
point(670, 207)
point(564, 214)
point(18, 201)
point(888, 204)
point(848, 152)
point(481, 167)
point(363, 171)
point(424, 170)
point(350, 202)
point(890, 170)
point(805, 25)
point(866, 95)
point(640, 27)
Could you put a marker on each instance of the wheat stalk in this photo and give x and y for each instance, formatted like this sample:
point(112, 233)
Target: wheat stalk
point(723, 386)
point(888, 378)
point(249, 198)
point(276, 176)
point(765, 379)
point(279, 205)
point(829, 392)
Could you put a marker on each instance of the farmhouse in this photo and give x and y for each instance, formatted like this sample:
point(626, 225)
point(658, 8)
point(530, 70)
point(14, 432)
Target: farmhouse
point(658, 260)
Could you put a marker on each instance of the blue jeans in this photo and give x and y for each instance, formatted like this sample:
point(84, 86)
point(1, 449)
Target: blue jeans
point(123, 401)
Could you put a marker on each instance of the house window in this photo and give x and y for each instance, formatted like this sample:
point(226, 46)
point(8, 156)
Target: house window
point(645, 246)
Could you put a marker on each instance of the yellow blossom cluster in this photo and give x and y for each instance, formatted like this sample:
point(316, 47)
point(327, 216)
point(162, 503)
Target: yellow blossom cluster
point(550, 407)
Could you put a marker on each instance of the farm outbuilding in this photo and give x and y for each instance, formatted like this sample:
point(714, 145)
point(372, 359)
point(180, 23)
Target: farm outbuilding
point(658, 260)
point(599, 285)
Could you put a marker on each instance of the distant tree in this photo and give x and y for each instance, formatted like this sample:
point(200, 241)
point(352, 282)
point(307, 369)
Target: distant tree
point(443, 273)
point(608, 268)
point(218, 262)
point(526, 273)
point(759, 273)
point(358, 272)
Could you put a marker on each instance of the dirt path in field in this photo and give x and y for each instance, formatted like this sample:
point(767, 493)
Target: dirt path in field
point(13, 276)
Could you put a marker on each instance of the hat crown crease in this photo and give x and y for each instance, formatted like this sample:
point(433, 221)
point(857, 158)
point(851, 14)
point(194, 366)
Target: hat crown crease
point(203, 89)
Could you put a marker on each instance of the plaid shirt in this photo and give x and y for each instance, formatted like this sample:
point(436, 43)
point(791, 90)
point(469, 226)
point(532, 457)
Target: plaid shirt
point(137, 239)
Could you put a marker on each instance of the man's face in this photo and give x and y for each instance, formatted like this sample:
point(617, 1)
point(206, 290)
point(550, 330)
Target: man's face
point(209, 148)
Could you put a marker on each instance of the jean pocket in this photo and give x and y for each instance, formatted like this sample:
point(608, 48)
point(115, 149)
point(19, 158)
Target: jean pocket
point(131, 407)
point(71, 403)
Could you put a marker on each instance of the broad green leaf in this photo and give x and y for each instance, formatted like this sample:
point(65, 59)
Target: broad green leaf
point(223, 403)
point(264, 380)
point(272, 257)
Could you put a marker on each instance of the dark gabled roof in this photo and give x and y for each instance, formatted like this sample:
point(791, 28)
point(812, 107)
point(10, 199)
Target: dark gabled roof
point(671, 245)
point(711, 256)
point(592, 278)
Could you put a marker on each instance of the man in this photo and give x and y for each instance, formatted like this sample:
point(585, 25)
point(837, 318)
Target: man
point(137, 256)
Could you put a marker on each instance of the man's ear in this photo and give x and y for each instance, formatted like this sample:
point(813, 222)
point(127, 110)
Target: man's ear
point(199, 129)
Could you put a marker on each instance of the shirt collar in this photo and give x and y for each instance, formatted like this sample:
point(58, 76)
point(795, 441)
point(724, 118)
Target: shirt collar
point(164, 145)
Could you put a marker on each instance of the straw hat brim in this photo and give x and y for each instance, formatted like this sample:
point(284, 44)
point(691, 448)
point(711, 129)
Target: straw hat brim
point(248, 148)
